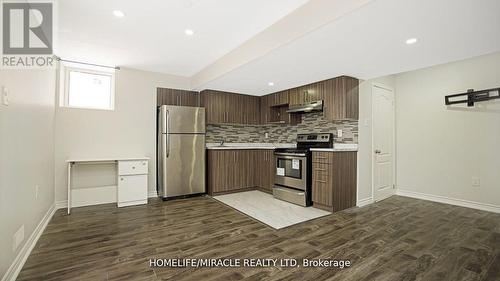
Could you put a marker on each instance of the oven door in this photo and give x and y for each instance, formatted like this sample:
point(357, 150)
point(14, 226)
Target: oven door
point(291, 170)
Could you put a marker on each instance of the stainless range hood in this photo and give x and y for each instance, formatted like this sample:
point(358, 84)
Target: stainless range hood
point(306, 108)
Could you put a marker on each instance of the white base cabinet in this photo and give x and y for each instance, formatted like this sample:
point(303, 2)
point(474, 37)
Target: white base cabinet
point(132, 183)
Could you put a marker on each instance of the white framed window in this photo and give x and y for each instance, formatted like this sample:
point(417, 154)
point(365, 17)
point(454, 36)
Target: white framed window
point(87, 88)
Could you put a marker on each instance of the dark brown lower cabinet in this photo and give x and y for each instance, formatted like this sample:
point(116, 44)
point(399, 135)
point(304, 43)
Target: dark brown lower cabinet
point(239, 169)
point(265, 166)
point(334, 180)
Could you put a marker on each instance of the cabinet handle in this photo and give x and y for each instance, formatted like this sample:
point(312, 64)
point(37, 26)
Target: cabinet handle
point(321, 181)
point(317, 169)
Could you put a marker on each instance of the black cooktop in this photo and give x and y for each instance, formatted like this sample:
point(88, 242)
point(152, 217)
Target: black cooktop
point(291, 150)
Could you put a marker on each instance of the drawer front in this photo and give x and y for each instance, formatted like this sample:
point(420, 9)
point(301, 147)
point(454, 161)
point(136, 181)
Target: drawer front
point(132, 188)
point(322, 186)
point(322, 193)
point(321, 172)
point(132, 167)
point(322, 157)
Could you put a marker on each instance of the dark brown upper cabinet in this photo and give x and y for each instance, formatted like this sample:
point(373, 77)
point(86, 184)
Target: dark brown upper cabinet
point(224, 107)
point(279, 98)
point(340, 96)
point(265, 109)
point(166, 96)
point(307, 93)
point(273, 109)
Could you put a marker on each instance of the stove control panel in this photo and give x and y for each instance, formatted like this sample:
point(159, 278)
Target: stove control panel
point(314, 137)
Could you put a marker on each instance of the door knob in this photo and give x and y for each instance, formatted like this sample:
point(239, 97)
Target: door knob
point(378, 151)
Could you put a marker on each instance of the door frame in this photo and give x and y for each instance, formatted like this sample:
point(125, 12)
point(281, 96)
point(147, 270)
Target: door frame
point(385, 87)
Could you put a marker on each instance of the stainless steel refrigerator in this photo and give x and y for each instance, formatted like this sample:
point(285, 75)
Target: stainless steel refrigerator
point(181, 151)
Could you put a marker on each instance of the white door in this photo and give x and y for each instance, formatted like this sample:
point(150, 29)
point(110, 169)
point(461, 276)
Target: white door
point(383, 142)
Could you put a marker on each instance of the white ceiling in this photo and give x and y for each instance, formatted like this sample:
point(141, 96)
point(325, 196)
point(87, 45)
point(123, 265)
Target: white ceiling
point(366, 43)
point(151, 35)
point(370, 42)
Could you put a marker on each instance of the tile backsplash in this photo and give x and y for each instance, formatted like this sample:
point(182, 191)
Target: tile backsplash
point(283, 133)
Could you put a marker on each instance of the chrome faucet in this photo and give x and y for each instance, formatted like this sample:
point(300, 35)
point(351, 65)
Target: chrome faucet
point(221, 143)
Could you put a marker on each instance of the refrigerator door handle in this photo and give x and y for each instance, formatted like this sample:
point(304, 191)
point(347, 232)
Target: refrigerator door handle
point(167, 145)
point(163, 117)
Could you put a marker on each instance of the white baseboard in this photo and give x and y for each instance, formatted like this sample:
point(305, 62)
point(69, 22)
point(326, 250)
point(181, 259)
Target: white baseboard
point(25, 251)
point(61, 204)
point(152, 193)
point(448, 200)
point(364, 202)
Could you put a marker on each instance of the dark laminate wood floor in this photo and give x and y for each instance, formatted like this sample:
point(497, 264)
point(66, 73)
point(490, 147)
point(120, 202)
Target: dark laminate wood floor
point(396, 239)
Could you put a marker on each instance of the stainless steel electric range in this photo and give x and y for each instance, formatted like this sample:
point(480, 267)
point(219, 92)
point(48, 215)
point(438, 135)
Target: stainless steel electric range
point(293, 177)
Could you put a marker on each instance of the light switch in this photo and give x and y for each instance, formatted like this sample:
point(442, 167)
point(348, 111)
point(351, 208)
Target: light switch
point(5, 96)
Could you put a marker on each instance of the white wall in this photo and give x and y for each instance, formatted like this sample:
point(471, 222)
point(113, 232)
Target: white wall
point(365, 154)
point(439, 150)
point(26, 155)
point(129, 130)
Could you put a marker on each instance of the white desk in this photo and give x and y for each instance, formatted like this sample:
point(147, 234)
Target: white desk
point(135, 169)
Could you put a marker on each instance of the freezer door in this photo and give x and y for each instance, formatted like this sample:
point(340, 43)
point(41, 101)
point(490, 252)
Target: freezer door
point(183, 164)
point(182, 119)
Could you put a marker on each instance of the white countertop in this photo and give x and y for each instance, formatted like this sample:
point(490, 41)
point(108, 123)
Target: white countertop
point(234, 145)
point(339, 147)
point(106, 159)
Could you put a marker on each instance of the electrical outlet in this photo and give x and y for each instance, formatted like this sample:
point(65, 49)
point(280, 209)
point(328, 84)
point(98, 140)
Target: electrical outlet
point(266, 135)
point(18, 238)
point(37, 191)
point(339, 133)
point(5, 96)
point(476, 182)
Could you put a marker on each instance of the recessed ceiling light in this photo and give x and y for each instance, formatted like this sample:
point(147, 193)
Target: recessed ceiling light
point(118, 14)
point(270, 83)
point(189, 32)
point(411, 41)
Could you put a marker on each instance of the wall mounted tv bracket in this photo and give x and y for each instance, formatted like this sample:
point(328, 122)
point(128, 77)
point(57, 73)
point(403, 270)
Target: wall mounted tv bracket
point(472, 97)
